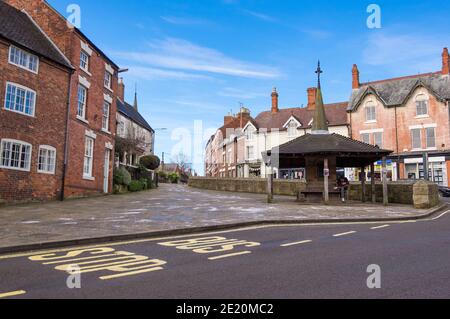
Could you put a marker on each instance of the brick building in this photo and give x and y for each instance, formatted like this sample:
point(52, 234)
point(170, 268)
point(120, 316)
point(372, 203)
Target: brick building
point(92, 107)
point(409, 115)
point(34, 86)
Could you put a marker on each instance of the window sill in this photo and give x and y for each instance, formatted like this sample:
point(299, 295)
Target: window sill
point(370, 122)
point(109, 89)
point(21, 113)
point(422, 116)
point(88, 178)
point(86, 71)
point(15, 169)
point(82, 119)
point(46, 173)
point(106, 131)
point(431, 149)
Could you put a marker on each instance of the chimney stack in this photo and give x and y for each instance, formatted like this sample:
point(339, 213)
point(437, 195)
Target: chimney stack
point(121, 90)
point(275, 101)
point(445, 62)
point(355, 74)
point(228, 119)
point(312, 92)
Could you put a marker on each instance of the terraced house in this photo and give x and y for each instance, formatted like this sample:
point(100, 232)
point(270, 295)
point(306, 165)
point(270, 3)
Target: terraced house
point(236, 149)
point(34, 90)
point(92, 104)
point(409, 115)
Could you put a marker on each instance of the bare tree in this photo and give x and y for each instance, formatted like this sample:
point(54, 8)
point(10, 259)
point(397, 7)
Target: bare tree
point(183, 162)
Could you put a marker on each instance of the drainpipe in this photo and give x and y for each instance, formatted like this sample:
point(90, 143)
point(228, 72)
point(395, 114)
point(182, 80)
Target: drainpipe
point(396, 143)
point(66, 141)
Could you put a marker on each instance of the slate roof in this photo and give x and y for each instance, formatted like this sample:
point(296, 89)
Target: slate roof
point(329, 144)
point(395, 92)
point(336, 115)
point(130, 112)
point(17, 27)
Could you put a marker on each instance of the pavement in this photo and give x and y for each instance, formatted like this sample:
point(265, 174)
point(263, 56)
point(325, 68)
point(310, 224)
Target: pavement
point(404, 260)
point(163, 211)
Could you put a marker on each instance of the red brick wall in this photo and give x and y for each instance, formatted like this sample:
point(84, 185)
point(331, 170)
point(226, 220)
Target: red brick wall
point(68, 40)
point(46, 128)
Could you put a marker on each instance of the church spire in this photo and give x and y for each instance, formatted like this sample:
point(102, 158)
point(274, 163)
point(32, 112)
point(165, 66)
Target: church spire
point(135, 104)
point(320, 123)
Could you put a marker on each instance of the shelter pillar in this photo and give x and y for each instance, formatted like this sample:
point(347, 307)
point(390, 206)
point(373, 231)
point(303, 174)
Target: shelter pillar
point(363, 184)
point(326, 174)
point(372, 182)
point(385, 186)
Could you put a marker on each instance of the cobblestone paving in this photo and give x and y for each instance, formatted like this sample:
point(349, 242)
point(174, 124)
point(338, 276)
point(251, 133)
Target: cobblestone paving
point(169, 207)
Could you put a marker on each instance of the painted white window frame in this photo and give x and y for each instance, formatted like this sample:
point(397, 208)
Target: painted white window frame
point(381, 135)
point(88, 160)
point(292, 128)
point(250, 156)
point(362, 137)
point(85, 62)
point(27, 90)
point(108, 80)
point(22, 145)
point(27, 57)
point(106, 117)
point(83, 103)
point(50, 155)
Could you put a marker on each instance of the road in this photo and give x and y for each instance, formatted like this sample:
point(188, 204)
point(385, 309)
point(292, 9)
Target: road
point(308, 261)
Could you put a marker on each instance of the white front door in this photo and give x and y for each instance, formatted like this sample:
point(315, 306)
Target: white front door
point(106, 172)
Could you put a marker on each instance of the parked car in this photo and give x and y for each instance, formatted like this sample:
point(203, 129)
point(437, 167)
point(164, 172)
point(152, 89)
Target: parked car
point(444, 191)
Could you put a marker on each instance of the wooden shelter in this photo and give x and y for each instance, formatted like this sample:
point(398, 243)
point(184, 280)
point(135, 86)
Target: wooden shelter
point(322, 152)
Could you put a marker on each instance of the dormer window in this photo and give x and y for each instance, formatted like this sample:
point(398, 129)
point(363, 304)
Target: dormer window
point(371, 115)
point(249, 134)
point(292, 128)
point(421, 105)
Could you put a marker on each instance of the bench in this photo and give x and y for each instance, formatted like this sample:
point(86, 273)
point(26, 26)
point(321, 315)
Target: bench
point(302, 196)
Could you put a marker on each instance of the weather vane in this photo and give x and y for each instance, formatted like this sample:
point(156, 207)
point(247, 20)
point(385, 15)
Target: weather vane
point(318, 72)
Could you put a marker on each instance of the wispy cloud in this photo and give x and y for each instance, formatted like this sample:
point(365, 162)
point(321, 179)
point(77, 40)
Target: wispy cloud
point(178, 54)
point(240, 94)
point(184, 20)
point(317, 33)
point(149, 73)
point(260, 16)
point(404, 52)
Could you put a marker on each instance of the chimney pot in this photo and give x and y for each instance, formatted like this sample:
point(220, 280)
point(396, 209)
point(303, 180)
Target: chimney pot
point(445, 62)
point(274, 101)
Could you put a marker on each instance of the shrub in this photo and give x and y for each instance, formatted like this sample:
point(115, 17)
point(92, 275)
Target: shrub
point(121, 177)
point(173, 178)
point(135, 186)
point(150, 162)
point(145, 183)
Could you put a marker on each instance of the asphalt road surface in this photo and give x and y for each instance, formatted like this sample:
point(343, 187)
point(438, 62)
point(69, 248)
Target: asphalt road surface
point(309, 261)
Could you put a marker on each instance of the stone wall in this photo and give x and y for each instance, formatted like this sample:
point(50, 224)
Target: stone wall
point(247, 185)
point(420, 194)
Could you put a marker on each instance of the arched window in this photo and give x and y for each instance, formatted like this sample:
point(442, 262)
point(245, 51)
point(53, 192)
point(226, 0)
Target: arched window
point(371, 111)
point(421, 105)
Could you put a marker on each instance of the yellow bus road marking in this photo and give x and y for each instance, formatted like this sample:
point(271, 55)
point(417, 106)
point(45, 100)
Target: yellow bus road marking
point(131, 273)
point(297, 243)
point(209, 245)
point(230, 255)
point(345, 234)
point(116, 264)
point(13, 293)
point(380, 227)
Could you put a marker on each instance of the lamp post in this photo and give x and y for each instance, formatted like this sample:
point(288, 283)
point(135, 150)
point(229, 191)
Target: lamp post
point(161, 129)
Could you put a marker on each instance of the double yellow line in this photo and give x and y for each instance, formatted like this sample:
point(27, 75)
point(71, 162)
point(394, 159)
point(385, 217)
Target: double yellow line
point(13, 293)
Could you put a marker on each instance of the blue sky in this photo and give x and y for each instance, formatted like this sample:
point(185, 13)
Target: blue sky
point(197, 60)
